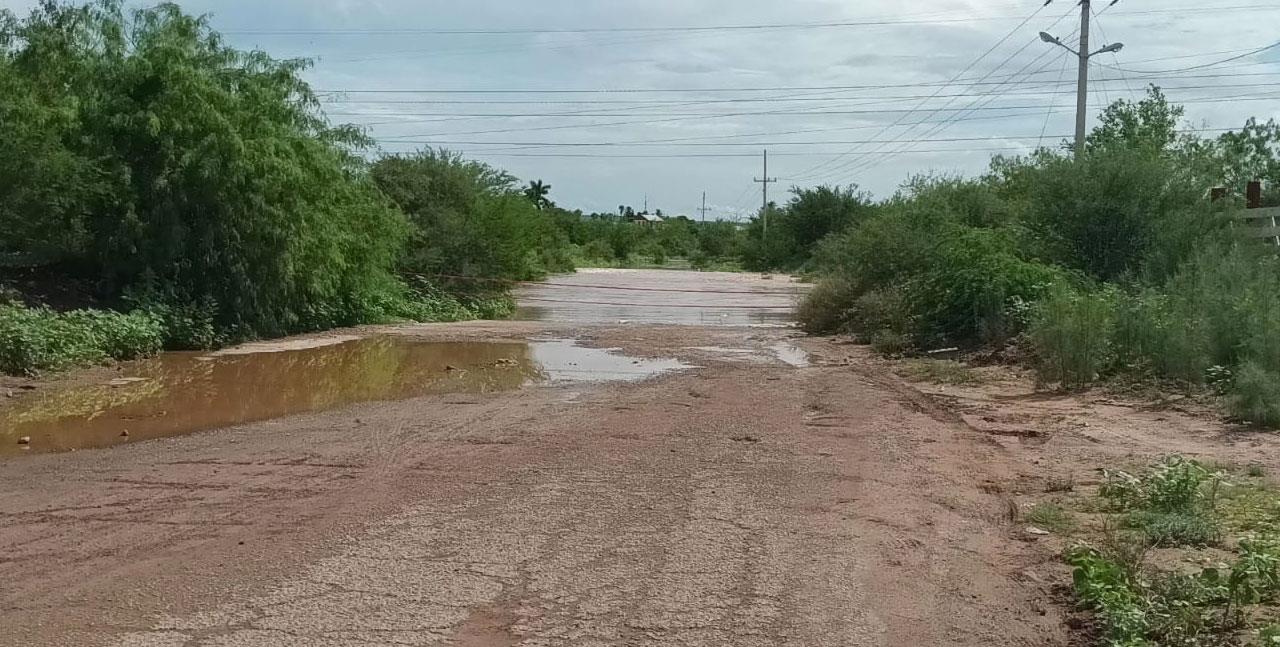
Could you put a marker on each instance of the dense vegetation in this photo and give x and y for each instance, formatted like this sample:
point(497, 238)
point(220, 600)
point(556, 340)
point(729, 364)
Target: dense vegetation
point(197, 195)
point(1116, 263)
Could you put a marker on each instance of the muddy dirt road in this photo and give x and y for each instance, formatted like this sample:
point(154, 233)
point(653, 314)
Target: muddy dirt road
point(739, 492)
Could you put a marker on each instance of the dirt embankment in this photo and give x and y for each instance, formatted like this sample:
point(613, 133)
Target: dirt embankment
point(747, 502)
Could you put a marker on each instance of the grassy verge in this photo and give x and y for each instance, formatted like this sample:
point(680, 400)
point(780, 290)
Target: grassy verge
point(1179, 553)
point(35, 340)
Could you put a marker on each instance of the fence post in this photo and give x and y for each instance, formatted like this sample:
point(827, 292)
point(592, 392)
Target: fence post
point(1253, 195)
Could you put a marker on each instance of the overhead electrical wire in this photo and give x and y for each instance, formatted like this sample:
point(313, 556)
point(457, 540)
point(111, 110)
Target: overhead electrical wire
point(709, 28)
point(1202, 66)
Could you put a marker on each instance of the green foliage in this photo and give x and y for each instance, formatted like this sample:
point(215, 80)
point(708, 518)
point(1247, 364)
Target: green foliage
point(1051, 517)
point(1255, 395)
point(1072, 335)
point(34, 340)
point(795, 230)
point(890, 343)
point(469, 219)
point(175, 167)
point(1141, 605)
point(828, 306)
point(1173, 503)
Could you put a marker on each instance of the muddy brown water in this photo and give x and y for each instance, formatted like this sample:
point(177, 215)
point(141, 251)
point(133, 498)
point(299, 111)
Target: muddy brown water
point(179, 393)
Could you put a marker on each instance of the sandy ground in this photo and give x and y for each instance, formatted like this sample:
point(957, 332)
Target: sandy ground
point(747, 502)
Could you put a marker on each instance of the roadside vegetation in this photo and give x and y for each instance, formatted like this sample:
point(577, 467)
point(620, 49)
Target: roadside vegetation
point(1177, 553)
point(1115, 265)
point(159, 189)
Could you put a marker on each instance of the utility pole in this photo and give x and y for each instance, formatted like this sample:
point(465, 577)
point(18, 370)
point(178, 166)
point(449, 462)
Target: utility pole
point(1082, 85)
point(704, 208)
point(766, 181)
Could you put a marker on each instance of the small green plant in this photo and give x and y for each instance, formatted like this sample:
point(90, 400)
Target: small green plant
point(1173, 503)
point(939, 372)
point(889, 343)
point(1051, 517)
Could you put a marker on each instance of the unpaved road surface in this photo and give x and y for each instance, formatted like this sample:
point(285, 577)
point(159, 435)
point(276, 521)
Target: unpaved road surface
point(749, 501)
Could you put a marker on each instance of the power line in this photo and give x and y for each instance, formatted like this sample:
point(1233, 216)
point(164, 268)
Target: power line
point(773, 99)
point(1196, 67)
point(783, 113)
point(707, 28)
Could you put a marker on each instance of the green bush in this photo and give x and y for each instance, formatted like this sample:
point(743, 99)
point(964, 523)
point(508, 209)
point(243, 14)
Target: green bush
point(34, 340)
point(890, 343)
point(1255, 395)
point(827, 307)
point(1072, 334)
point(159, 159)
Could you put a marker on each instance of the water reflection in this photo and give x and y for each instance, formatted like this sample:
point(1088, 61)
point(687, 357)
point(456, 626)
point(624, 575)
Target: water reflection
point(184, 392)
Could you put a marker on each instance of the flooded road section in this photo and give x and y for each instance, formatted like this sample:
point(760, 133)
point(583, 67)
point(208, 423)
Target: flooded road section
point(602, 296)
point(180, 393)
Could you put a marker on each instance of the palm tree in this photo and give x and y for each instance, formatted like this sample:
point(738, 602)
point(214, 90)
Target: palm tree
point(537, 192)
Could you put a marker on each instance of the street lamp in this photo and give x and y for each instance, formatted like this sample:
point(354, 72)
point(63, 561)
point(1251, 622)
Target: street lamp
point(1082, 88)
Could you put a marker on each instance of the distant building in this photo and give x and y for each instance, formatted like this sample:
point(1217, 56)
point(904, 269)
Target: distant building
point(645, 219)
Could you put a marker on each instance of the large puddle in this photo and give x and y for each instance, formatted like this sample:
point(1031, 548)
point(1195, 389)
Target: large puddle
point(180, 393)
point(662, 297)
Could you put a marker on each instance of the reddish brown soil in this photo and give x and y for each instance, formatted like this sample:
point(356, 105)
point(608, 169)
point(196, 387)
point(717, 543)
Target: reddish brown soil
point(744, 503)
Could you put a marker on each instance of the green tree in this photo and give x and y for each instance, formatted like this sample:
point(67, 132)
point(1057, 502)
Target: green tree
point(182, 171)
point(537, 193)
point(469, 219)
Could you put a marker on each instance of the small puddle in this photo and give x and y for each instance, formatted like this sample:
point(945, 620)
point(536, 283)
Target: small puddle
point(790, 355)
point(180, 393)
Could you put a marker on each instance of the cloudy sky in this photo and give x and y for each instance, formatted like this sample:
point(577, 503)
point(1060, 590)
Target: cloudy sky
point(613, 101)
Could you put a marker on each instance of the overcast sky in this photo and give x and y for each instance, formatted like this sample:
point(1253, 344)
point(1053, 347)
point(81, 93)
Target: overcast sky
point(1006, 100)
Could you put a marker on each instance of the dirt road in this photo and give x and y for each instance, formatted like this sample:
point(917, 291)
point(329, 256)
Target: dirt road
point(752, 500)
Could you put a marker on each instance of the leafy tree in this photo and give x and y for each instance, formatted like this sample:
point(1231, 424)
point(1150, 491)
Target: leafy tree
point(182, 171)
point(469, 219)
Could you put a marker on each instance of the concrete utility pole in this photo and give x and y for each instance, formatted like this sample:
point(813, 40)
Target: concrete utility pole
point(704, 208)
point(766, 181)
point(1082, 86)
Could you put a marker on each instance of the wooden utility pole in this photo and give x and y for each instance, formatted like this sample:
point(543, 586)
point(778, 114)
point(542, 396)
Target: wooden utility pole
point(703, 211)
point(765, 182)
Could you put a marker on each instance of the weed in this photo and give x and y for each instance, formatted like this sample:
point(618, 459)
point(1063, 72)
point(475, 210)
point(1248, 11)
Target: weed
point(1176, 528)
point(1054, 485)
point(939, 372)
point(1051, 517)
point(1256, 471)
point(889, 343)
point(1173, 503)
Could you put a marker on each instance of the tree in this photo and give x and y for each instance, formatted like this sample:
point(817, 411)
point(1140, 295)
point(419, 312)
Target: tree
point(537, 192)
point(1150, 123)
point(187, 175)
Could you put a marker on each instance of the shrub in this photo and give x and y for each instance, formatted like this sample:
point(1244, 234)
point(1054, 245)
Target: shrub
point(828, 307)
point(890, 343)
point(33, 340)
point(1051, 517)
point(1072, 335)
point(1255, 395)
